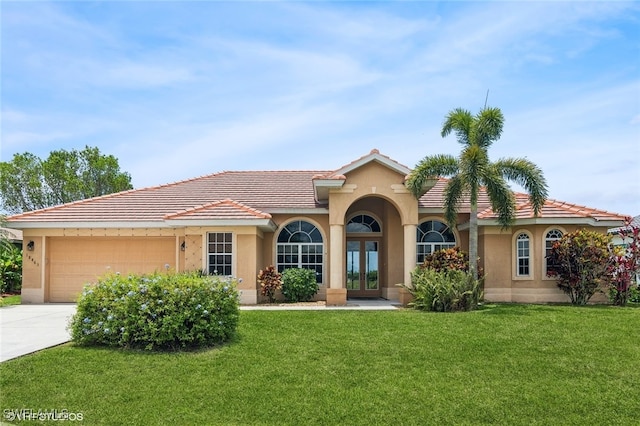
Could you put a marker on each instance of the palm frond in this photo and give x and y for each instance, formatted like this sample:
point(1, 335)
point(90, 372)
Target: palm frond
point(502, 200)
point(429, 168)
point(459, 121)
point(528, 175)
point(488, 126)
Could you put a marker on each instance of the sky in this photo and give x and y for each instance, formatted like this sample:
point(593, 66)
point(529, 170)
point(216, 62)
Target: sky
point(177, 90)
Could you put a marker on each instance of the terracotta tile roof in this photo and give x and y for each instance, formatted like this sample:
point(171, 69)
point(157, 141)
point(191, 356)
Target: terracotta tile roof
point(263, 191)
point(225, 209)
point(434, 198)
point(553, 209)
point(257, 194)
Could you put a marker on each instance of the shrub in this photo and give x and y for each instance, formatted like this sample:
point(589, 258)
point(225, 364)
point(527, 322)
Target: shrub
point(299, 284)
point(10, 267)
point(582, 264)
point(625, 265)
point(451, 258)
point(157, 311)
point(634, 294)
point(444, 291)
point(270, 281)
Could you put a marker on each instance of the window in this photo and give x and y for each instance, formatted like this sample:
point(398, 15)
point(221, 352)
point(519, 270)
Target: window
point(363, 223)
point(551, 237)
point(300, 246)
point(220, 253)
point(433, 235)
point(522, 256)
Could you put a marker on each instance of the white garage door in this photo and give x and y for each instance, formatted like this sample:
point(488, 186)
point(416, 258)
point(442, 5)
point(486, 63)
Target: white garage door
point(73, 262)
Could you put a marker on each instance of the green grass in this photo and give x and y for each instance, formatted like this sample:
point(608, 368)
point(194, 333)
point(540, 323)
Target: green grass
point(10, 300)
point(504, 364)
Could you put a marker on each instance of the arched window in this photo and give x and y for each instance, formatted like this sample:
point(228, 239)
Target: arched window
point(363, 223)
point(523, 255)
point(549, 239)
point(300, 245)
point(433, 235)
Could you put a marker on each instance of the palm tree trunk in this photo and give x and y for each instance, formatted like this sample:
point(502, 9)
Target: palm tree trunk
point(473, 241)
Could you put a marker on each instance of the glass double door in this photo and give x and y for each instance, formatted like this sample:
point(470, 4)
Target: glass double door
point(363, 267)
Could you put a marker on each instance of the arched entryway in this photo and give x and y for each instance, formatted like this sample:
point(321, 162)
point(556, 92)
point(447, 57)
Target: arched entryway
point(364, 238)
point(373, 249)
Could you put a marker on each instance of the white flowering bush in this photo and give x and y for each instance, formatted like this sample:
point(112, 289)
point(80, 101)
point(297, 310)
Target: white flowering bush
point(158, 311)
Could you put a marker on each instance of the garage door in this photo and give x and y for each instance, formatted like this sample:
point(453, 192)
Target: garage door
point(73, 262)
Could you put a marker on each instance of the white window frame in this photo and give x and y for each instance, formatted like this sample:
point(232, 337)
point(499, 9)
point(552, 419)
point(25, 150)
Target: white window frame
point(544, 249)
point(322, 250)
point(516, 255)
point(432, 246)
point(209, 253)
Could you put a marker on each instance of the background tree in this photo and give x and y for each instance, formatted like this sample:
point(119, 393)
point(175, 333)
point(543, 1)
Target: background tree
point(29, 183)
point(472, 170)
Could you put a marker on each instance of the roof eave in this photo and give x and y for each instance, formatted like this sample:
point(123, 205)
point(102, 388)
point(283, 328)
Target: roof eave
point(87, 224)
point(322, 187)
point(264, 224)
point(377, 157)
point(588, 221)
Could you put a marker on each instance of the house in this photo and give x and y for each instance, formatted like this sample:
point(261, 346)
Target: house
point(357, 227)
point(13, 236)
point(617, 239)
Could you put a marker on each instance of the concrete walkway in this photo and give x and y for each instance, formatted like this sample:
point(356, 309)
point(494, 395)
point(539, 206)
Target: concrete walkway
point(25, 329)
point(29, 328)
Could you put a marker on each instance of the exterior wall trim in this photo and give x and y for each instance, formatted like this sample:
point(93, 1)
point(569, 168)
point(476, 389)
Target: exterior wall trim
point(543, 251)
point(514, 256)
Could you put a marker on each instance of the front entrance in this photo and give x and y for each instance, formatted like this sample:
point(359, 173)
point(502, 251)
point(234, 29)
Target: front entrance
point(363, 267)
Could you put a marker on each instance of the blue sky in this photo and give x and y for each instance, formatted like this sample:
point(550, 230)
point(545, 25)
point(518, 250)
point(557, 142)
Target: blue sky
point(181, 89)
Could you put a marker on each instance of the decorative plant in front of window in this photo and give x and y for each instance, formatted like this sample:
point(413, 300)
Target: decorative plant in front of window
point(581, 262)
point(299, 284)
point(270, 281)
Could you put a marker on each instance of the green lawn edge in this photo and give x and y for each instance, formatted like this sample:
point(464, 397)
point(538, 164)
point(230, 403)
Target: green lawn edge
point(502, 364)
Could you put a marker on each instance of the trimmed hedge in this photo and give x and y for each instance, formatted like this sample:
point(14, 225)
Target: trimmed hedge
point(299, 284)
point(157, 311)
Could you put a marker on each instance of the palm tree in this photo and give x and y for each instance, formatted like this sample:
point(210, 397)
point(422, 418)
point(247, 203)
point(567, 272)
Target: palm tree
point(472, 171)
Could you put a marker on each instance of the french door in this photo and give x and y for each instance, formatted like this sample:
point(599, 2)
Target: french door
point(363, 267)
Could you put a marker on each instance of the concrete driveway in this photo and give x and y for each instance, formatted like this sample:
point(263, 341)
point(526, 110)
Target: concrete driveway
point(29, 328)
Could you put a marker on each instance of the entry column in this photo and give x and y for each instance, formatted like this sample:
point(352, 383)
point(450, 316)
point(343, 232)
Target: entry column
point(409, 259)
point(336, 291)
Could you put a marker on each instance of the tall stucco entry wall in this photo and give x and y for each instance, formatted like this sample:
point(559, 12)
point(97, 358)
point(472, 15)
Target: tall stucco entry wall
point(377, 188)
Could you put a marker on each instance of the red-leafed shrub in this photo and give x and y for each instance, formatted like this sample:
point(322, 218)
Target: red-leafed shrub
point(582, 264)
point(625, 265)
point(270, 281)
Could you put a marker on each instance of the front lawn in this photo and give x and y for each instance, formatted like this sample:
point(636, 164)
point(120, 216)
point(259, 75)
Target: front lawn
point(9, 299)
point(504, 364)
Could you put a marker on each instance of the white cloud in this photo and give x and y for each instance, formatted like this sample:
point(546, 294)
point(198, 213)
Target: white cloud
point(214, 86)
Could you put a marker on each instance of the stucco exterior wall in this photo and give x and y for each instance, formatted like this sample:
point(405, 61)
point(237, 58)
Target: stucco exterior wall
point(497, 249)
point(494, 249)
point(33, 267)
